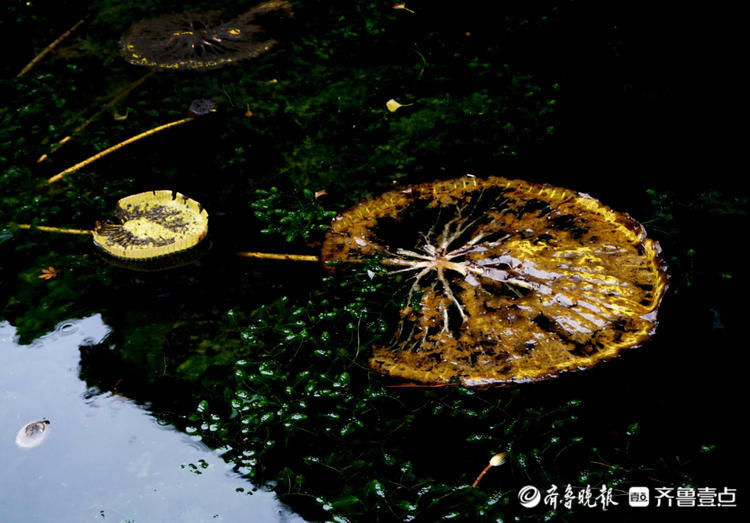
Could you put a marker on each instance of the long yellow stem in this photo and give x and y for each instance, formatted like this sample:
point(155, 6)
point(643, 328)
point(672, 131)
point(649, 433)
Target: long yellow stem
point(92, 159)
point(119, 96)
point(49, 48)
point(45, 228)
point(298, 257)
point(274, 256)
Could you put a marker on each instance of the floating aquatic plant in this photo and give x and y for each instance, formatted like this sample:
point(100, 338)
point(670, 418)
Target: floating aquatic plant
point(510, 281)
point(152, 224)
point(198, 41)
point(148, 226)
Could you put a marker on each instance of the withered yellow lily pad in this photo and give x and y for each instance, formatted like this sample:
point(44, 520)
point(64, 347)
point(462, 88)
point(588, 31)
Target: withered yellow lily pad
point(509, 281)
point(152, 224)
point(198, 41)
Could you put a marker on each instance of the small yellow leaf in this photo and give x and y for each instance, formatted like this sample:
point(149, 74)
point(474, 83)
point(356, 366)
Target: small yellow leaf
point(119, 117)
point(48, 273)
point(393, 105)
point(497, 459)
point(403, 7)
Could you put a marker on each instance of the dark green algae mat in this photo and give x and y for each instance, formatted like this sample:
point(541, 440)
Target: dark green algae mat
point(267, 362)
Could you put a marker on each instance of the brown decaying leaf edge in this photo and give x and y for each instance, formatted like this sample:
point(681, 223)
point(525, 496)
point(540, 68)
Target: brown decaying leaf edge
point(514, 282)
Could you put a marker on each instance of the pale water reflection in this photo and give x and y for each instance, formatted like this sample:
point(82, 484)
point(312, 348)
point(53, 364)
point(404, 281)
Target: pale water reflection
point(105, 458)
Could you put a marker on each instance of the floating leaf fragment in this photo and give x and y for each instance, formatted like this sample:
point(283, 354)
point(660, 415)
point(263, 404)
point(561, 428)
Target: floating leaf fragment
point(120, 117)
point(48, 273)
point(202, 107)
point(33, 434)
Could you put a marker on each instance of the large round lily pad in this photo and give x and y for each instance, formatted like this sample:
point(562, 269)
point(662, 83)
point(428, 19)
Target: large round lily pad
point(510, 281)
point(152, 224)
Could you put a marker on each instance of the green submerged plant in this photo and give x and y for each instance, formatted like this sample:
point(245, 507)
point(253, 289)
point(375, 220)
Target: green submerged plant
point(307, 418)
point(294, 218)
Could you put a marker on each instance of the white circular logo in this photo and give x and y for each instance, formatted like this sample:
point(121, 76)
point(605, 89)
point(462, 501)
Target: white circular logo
point(529, 496)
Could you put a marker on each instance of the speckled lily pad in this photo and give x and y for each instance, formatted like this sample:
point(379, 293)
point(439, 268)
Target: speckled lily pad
point(152, 224)
point(510, 281)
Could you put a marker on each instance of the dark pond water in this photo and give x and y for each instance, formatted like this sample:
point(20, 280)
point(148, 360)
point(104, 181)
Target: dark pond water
point(239, 390)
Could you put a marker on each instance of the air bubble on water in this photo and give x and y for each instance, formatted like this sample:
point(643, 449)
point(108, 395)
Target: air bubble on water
point(66, 328)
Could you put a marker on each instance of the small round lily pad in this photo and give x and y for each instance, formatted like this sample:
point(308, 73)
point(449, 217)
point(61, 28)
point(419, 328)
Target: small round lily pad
point(152, 224)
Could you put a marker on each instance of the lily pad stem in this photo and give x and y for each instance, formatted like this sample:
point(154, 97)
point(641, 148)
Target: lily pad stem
point(45, 228)
point(92, 159)
point(275, 256)
point(49, 48)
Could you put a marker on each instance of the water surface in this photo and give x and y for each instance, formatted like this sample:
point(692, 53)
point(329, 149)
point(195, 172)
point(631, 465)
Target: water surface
point(106, 458)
